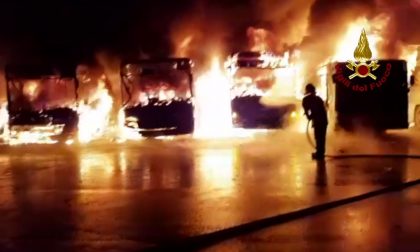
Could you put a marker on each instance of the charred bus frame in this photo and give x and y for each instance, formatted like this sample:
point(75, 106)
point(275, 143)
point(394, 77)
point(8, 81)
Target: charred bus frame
point(247, 110)
point(153, 115)
point(55, 122)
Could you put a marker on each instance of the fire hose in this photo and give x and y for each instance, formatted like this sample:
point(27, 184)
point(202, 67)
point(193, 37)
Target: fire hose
point(308, 135)
point(349, 156)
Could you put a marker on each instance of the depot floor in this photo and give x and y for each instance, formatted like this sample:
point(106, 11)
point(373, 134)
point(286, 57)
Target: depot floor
point(126, 197)
point(387, 223)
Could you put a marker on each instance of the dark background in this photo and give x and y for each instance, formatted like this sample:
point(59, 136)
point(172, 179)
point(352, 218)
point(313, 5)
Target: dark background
point(74, 30)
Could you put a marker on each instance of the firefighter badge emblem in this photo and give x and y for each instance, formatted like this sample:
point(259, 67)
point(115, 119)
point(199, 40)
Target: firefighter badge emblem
point(363, 66)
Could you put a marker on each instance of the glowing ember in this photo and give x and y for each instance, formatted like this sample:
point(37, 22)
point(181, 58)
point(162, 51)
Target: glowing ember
point(31, 90)
point(94, 116)
point(34, 134)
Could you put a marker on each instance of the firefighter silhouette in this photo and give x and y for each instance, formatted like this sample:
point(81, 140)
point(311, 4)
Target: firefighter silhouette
point(316, 112)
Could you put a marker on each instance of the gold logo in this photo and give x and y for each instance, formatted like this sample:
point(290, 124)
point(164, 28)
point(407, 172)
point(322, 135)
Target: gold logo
point(362, 54)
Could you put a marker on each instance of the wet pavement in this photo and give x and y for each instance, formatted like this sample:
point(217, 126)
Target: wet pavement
point(125, 197)
point(387, 223)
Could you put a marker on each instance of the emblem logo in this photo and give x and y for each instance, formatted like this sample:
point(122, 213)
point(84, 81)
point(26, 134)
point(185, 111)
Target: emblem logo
point(362, 55)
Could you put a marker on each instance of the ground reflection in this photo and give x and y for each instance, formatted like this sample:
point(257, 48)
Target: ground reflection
point(96, 169)
point(216, 168)
point(143, 170)
point(321, 173)
point(45, 191)
point(157, 190)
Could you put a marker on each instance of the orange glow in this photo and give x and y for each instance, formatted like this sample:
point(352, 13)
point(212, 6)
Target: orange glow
point(260, 39)
point(34, 134)
point(217, 167)
point(213, 96)
point(126, 133)
point(31, 90)
point(347, 44)
point(184, 46)
point(410, 54)
point(213, 110)
point(373, 28)
point(213, 118)
point(4, 121)
point(17, 135)
point(96, 169)
point(94, 116)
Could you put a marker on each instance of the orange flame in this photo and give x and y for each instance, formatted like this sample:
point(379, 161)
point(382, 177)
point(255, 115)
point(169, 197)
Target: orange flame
point(94, 116)
point(213, 112)
point(346, 46)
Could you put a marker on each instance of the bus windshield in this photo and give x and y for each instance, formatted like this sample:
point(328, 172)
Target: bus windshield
point(41, 94)
point(253, 81)
point(157, 85)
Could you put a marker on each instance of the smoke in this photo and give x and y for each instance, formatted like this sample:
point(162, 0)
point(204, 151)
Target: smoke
point(402, 28)
point(288, 20)
point(199, 34)
point(329, 20)
point(261, 39)
point(186, 35)
point(315, 27)
point(211, 29)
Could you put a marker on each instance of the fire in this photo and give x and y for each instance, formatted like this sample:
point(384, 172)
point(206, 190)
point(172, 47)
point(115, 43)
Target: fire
point(373, 28)
point(4, 121)
point(213, 110)
point(94, 116)
point(214, 90)
point(34, 134)
point(260, 39)
point(126, 133)
point(184, 46)
point(31, 90)
point(288, 89)
point(410, 54)
point(347, 44)
point(213, 118)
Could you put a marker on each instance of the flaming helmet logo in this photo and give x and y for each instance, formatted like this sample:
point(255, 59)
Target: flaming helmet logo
point(363, 54)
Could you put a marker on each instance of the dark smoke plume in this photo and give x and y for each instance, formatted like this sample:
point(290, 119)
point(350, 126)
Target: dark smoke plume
point(287, 20)
point(211, 28)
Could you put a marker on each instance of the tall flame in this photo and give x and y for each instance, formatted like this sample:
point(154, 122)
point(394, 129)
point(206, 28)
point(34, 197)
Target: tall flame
point(94, 116)
point(346, 44)
point(368, 42)
point(213, 109)
point(260, 39)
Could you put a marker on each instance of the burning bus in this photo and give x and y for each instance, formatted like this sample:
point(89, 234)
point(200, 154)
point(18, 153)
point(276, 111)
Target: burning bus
point(371, 95)
point(41, 103)
point(157, 96)
point(255, 77)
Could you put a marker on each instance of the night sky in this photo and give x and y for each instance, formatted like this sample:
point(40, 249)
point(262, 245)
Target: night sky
point(74, 30)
